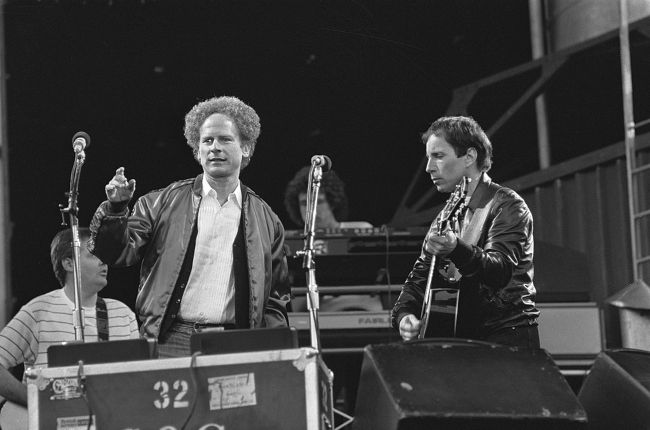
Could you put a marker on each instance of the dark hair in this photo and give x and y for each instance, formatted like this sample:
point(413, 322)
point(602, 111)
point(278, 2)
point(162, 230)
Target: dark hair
point(462, 133)
point(61, 248)
point(244, 117)
point(331, 185)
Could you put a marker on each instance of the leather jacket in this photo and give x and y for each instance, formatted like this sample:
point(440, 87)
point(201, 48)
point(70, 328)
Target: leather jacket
point(496, 286)
point(158, 233)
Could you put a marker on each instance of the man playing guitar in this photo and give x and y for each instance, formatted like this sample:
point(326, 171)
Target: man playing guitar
point(485, 251)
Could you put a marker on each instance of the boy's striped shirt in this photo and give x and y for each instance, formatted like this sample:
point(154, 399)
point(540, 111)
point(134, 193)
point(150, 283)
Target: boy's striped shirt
point(48, 320)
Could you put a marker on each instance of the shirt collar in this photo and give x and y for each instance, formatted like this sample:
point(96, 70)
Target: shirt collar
point(236, 195)
point(71, 303)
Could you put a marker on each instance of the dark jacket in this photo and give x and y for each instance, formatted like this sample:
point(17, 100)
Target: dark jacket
point(160, 233)
point(496, 287)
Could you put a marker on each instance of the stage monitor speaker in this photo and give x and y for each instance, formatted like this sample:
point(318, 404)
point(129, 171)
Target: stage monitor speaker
point(616, 393)
point(462, 384)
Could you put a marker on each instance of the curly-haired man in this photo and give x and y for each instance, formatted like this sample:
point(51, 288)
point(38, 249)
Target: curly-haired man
point(332, 201)
point(212, 251)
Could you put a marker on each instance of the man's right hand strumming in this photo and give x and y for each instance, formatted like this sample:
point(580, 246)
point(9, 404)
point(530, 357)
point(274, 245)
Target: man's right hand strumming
point(409, 327)
point(119, 190)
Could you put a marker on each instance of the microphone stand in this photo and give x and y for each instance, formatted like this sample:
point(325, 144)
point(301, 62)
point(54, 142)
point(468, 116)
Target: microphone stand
point(72, 210)
point(308, 264)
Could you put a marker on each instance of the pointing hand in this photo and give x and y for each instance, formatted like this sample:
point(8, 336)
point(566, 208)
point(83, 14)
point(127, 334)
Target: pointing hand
point(119, 190)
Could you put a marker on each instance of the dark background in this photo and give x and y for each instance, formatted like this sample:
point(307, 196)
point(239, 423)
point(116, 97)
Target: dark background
point(356, 80)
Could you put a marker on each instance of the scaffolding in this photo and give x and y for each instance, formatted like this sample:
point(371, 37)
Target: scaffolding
point(636, 186)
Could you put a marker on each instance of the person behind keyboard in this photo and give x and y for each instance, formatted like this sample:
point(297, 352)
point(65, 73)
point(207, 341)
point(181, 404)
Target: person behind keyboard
point(331, 213)
point(332, 206)
point(331, 210)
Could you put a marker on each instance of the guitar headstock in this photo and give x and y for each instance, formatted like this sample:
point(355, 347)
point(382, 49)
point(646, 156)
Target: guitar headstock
point(454, 205)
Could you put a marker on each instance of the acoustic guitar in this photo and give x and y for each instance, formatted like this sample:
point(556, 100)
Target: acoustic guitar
point(445, 221)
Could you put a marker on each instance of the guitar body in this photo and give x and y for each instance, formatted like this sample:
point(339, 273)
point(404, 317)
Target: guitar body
point(14, 417)
point(441, 321)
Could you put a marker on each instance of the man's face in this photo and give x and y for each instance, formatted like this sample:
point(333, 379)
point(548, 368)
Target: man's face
point(93, 271)
point(444, 167)
point(220, 149)
point(324, 215)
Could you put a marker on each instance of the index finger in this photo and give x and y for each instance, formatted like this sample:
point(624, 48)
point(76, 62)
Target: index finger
point(119, 171)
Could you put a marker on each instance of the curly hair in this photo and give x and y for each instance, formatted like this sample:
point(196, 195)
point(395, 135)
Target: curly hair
point(244, 116)
point(61, 248)
point(462, 133)
point(331, 184)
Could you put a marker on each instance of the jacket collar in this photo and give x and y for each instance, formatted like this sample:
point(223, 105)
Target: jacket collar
point(483, 193)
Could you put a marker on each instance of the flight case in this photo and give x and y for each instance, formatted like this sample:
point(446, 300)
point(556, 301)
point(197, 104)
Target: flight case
point(287, 389)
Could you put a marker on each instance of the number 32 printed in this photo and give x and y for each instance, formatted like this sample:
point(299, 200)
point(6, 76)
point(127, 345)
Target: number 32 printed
point(179, 388)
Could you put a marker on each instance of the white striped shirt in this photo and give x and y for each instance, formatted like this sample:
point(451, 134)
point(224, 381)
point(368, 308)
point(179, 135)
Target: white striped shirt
point(210, 293)
point(48, 320)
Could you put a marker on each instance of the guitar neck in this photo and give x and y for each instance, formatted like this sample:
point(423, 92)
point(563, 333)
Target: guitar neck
point(426, 305)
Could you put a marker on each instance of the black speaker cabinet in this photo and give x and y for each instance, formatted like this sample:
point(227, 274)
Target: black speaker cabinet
point(616, 393)
point(462, 384)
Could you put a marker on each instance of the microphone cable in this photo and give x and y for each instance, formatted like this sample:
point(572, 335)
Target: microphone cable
point(193, 371)
point(83, 393)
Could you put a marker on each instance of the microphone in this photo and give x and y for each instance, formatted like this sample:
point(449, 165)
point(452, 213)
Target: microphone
point(80, 141)
point(323, 161)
